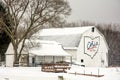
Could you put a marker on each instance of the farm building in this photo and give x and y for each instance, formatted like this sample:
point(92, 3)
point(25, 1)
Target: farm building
point(37, 52)
point(87, 45)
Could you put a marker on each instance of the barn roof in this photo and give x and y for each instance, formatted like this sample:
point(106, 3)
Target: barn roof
point(63, 31)
point(68, 37)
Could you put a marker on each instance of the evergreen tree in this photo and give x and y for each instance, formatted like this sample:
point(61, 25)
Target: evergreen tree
point(4, 39)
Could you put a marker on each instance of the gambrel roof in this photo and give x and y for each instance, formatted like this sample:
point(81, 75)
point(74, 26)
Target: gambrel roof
point(68, 37)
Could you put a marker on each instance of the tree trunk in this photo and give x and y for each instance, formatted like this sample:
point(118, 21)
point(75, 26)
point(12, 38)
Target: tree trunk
point(16, 60)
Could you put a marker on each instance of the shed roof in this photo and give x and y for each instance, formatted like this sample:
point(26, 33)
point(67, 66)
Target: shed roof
point(40, 48)
point(49, 50)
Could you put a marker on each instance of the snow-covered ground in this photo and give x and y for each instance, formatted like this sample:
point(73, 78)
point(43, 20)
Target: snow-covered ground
point(34, 73)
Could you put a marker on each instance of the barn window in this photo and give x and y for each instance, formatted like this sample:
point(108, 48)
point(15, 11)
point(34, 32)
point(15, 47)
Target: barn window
point(82, 60)
point(93, 29)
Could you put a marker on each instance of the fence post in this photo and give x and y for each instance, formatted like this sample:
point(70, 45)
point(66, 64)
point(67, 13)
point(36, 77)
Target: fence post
point(98, 72)
point(60, 78)
point(84, 72)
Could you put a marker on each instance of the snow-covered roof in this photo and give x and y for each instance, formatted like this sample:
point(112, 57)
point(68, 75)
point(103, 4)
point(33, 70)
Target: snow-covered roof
point(40, 48)
point(48, 49)
point(68, 37)
point(10, 49)
point(63, 31)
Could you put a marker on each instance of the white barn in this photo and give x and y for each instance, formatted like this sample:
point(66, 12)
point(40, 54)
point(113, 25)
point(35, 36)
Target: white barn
point(87, 45)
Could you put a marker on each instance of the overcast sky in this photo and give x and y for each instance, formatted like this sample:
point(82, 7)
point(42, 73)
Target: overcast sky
point(100, 11)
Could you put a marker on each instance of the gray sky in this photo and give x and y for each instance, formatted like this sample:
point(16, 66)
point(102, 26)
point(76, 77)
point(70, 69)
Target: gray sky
point(100, 11)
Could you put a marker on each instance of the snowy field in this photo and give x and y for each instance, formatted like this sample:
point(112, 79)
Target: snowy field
point(34, 73)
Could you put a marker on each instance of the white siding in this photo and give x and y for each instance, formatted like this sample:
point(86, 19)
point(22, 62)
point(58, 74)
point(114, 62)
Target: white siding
point(100, 59)
point(9, 60)
point(72, 52)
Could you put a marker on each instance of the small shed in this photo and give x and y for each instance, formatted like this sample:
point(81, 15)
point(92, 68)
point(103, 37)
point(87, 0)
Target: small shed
point(9, 55)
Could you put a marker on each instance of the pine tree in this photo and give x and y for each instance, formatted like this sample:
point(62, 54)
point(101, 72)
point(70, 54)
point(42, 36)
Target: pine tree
point(4, 39)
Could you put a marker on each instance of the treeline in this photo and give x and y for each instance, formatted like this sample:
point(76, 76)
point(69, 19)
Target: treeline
point(113, 40)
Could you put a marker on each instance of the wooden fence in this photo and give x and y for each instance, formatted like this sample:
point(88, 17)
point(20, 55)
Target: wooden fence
point(57, 67)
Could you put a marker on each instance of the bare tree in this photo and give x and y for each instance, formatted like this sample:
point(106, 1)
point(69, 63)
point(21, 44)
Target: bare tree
point(29, 15)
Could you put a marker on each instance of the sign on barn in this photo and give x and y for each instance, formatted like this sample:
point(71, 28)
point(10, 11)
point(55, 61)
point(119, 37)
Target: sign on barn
point(91, 45)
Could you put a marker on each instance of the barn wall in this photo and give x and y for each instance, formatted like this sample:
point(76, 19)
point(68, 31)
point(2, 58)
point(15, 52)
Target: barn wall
point(72, 52)
point(93, 56)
